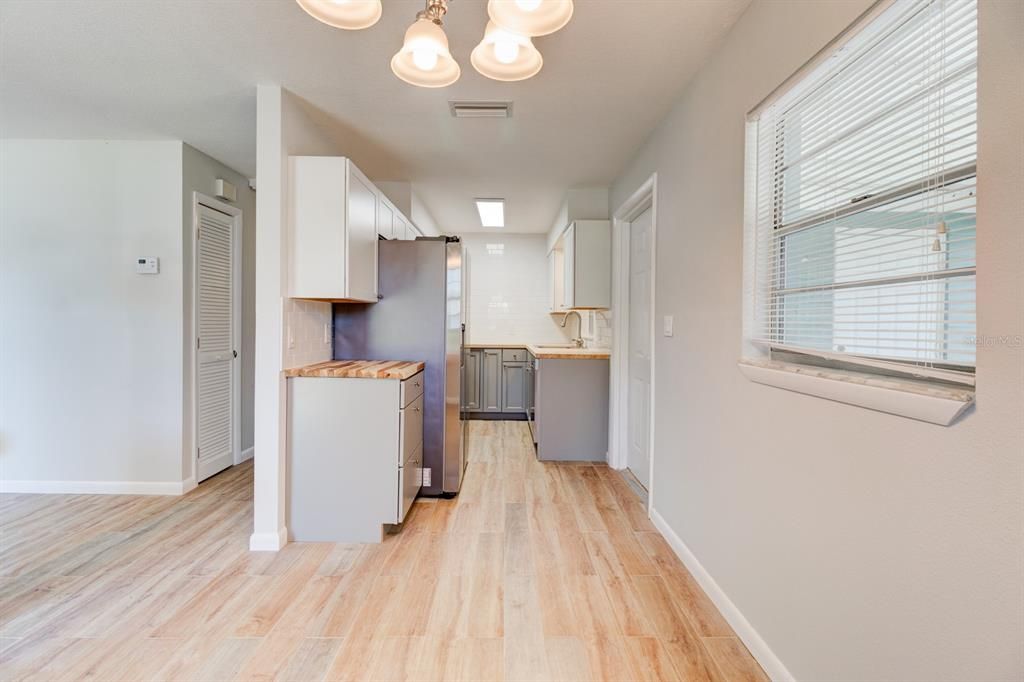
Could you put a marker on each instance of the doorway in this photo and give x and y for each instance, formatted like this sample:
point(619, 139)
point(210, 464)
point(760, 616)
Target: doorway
point(633, 360)
point(217, 315)
point(638, 455)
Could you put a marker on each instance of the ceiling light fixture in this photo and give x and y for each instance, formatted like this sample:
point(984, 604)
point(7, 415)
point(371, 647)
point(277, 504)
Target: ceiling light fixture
point(506, 56)
point(530, 17)
point(492, 212)
point(424, 59)
point(347, 14)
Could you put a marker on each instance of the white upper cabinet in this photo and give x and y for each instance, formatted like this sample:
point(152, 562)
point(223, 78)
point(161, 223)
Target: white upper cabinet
point(391, 222)
point(401, 227)
point(332, 230)
point(385, 218)
point(581, 266)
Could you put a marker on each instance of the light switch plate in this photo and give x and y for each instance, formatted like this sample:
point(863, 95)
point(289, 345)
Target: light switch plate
point(668, 325)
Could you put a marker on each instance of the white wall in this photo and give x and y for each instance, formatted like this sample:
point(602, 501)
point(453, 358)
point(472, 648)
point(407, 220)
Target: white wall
point(422, 218)
point(91, 356)
point(399, 192)
point(583, 203)
point(859, 545)
point(283, 128)
point(199, 173)
point(508, 290)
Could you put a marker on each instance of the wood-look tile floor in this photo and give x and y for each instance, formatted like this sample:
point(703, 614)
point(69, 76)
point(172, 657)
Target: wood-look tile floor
point(534, 572)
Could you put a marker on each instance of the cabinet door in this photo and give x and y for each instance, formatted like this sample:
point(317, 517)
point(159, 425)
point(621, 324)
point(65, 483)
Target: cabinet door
point(361, 238)
point(316, 224)
point(491, 392)
point(513, 387)
point(401, 229)
point(385, 218)
point(569, 269)
point(529, 379)
point(553, 276)
point(471, 381)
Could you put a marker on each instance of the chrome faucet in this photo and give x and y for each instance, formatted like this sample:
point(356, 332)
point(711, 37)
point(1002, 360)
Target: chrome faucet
point(578, 339)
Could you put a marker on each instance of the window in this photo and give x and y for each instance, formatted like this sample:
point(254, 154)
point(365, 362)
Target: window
point(861, 200)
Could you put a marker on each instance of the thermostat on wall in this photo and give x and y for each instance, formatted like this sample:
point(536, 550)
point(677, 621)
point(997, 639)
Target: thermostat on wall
point(147, 266)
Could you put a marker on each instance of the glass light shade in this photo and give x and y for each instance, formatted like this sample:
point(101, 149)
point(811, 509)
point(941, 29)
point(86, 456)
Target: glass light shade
point(348, 14)
point(424, 59)
point(530, 17)
point(506, 56)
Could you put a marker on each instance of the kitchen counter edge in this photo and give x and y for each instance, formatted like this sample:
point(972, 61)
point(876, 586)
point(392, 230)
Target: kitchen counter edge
point(358, 369)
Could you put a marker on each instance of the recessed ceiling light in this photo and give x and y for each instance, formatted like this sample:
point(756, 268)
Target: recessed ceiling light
point(492, 212)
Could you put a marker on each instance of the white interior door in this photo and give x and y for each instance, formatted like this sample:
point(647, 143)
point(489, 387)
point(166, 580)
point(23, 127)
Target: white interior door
point(216, 381)
point(638, 458)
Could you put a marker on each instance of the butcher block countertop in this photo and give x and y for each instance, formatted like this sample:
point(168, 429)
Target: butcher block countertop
point(548, 353)
point(358, 369)
point(500, 346)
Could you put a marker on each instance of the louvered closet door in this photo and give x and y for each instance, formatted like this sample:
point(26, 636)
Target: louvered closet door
point(215, 354)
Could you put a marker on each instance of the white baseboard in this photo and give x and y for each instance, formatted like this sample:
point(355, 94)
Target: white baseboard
point(773, 667)
point(245, 455)
point(268, 542)
point(98, 487)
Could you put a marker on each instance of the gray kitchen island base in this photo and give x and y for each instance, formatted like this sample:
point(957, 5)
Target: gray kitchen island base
point(571, 404)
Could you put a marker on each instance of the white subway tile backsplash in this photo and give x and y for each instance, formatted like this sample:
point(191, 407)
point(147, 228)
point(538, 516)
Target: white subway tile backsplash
point(304, 332)
point(507, 290)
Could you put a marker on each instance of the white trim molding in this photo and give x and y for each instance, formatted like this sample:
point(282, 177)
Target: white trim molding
point(928, 403)
point(758, 648)
point(268, 542)
point(645, 197)
point(245, 455)
point(98, 487)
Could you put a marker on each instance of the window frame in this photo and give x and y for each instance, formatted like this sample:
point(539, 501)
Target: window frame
point(940, 393)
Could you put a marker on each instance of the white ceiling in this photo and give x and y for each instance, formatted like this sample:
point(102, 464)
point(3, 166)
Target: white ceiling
point(187, 69)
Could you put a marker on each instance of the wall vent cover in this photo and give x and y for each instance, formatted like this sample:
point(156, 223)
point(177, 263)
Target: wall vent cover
point(480, 109)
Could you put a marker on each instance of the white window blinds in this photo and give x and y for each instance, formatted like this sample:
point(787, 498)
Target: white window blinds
point(864, 196)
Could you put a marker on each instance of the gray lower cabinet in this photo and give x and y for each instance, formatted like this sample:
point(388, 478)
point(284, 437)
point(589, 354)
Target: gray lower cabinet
point(572, 409)
point(497, 381)
point(513, 387)
point(471, 380)
point(490, 398)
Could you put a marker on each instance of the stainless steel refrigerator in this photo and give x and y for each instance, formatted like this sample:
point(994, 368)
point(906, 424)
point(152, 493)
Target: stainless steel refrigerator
point(420, 316)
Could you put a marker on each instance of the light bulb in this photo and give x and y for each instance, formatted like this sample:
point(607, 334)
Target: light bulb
point(506, 51)
point(528, 5)
point(425, 60)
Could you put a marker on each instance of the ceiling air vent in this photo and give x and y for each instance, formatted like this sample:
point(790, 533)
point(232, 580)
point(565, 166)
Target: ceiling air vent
point(467, 109)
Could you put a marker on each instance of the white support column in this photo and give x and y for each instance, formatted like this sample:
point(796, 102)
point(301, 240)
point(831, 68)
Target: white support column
point(269, 531)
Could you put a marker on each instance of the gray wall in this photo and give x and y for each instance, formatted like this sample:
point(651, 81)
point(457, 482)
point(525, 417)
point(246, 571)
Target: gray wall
point(861, 546)
point(199, 172)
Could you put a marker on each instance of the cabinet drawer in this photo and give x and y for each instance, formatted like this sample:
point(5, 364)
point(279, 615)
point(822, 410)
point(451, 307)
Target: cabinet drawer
point(513, 355)
point(411, 432)
point(412, 388)
point(410, 477)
